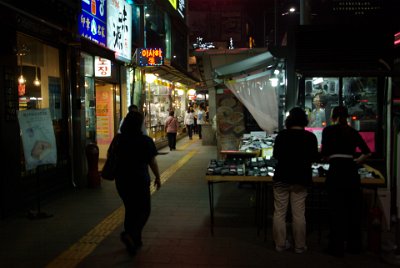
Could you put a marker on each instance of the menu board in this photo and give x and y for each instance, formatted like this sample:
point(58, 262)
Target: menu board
point(230, 122)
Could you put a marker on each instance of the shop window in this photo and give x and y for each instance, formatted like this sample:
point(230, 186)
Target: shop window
point(40, 87)
point(360, 97)
point(358, 94)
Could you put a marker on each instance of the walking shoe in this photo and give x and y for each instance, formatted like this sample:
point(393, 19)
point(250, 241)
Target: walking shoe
point(283, 248)
point(300, 250)
point(128, 241)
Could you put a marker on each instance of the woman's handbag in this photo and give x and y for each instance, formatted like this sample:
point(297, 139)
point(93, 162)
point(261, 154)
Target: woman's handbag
point(109, 169)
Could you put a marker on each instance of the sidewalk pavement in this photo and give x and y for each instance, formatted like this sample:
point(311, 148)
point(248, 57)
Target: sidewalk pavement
point(85, 228)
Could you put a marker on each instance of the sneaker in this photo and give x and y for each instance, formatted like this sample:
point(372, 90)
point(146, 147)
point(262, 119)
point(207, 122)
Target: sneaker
point(283, 248)
point(300, 250)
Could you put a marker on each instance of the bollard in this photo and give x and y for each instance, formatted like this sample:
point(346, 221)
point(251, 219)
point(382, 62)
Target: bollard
point(92, 156)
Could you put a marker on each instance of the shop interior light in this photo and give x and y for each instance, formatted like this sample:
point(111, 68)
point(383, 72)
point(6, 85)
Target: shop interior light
point(36, 82)
point(150, 78)
point(21, 79)
point(20, 53)
point(274, 81)
point(276, 72)
point(317, 80)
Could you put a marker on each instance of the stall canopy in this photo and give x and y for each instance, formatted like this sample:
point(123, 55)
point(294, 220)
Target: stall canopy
point(173, 74)
point(249, 81)
point(261, 61)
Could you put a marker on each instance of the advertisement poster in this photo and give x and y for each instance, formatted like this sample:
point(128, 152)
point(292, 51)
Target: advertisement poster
point(38, 137)
point(104, 115)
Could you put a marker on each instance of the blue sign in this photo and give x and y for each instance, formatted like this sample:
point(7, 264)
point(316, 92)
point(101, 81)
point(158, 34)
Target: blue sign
point(93, 21)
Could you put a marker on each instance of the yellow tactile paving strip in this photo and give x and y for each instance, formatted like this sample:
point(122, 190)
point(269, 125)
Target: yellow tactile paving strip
point(88, 243)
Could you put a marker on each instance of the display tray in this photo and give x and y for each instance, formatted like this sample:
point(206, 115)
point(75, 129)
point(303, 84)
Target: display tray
point(239, 154)
point(378, 181)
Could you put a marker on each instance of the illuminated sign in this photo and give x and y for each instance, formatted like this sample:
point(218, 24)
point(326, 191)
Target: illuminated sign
point(181, 8)
point(397, 39)
point(119, 29)
point(92, 21)
point(102, 67)
point(150, 56)
point(179, 5)
point(173, 3)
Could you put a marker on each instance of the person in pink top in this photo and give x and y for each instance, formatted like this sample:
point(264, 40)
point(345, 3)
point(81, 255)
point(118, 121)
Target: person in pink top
point(171, 127)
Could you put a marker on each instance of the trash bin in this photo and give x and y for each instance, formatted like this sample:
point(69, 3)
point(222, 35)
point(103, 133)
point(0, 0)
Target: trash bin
point(92, 156)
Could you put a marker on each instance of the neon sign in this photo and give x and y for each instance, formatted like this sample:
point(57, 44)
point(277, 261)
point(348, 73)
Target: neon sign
point(150, 56)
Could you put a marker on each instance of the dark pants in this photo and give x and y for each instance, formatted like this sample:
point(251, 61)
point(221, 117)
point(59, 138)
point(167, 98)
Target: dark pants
point(171, 140)
point(136, 199)
point(345, 204)
point(199, 131)
point(190, 130)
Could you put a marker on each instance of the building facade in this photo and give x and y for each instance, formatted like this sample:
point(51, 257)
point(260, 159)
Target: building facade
point(77, 61)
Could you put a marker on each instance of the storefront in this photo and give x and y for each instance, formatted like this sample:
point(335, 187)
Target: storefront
point(161, 97)
point(34, 75)
point(106, 81)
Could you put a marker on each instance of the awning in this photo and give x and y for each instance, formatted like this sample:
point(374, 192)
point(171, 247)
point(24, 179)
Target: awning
point(174, 75)
point(261, 61)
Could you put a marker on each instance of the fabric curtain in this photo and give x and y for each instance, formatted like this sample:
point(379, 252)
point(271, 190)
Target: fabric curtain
point(259, 97)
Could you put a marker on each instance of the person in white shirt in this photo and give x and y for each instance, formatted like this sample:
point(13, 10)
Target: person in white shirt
point(201, 119)
point(189, 121)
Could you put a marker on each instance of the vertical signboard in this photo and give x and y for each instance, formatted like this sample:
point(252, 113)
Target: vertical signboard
point(181, 8)
point(38, 137)
point(173, 3)
point(119, 29)
point(92, 21)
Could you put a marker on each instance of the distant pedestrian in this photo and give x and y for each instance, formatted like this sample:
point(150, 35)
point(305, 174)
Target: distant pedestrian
point(171, 127)
point(189, 121)
point(201, 119)
point(195, 111)
point(135, 152)
point(295, 149)
point(339, 144)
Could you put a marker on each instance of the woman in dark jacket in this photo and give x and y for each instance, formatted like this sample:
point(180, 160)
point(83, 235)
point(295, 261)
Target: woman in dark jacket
point(295, 149)
point(135, 153)
point(339, 143)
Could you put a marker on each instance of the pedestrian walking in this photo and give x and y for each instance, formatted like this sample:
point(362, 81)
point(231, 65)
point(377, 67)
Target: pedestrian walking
point(171, 127)
point(201, 119)
point(135, 152)
point(189, 121)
